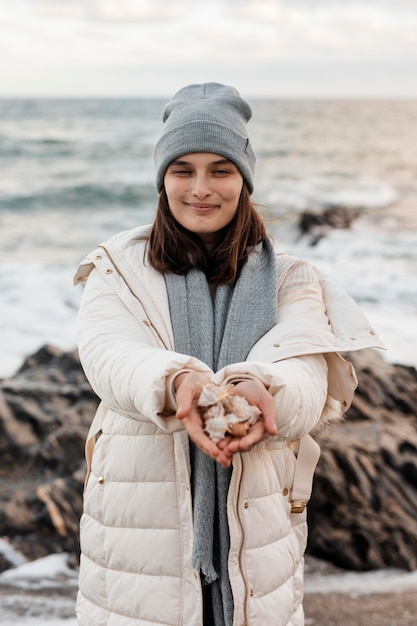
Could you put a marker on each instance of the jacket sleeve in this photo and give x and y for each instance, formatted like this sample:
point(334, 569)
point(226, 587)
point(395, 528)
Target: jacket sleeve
point(289, 360)
point(121, 357)
point(298, 385)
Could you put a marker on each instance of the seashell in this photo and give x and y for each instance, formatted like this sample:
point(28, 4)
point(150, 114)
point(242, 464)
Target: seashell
point(212, 393)
point(216, 428)
point(215, 411)
point(223, 412)
point(238, 429)
point(241, 409)
point(253, 414)
point(237, 405)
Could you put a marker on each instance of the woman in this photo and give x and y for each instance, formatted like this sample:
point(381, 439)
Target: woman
point(179, 529)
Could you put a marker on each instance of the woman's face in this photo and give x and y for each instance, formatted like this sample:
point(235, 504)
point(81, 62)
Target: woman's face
point(203, 191)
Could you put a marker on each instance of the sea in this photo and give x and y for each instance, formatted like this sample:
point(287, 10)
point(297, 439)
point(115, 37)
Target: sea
point(75, 171)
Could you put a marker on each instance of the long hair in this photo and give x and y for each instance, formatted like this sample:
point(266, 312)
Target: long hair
point(174, 249)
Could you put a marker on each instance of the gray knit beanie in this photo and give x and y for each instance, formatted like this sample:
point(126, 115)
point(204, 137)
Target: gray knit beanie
point(206, 118)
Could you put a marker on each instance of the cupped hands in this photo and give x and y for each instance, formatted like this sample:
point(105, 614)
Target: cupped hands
point(188, 386)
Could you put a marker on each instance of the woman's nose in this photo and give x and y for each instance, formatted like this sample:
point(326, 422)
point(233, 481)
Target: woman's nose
point(201, 186)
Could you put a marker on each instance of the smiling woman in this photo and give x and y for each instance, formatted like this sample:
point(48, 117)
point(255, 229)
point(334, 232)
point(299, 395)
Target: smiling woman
point(180, 528)
point(203, 192)
point(180, 227)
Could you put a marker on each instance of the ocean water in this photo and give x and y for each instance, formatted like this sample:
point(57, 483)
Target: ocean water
point(73, 172)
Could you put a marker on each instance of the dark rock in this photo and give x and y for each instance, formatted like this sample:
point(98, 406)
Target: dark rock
point(363, 511)
point(45, 413)
point(318, 224)
point(364, 506)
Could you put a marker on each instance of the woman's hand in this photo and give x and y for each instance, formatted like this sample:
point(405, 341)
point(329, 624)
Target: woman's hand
point(188, 386)
point(256, 394)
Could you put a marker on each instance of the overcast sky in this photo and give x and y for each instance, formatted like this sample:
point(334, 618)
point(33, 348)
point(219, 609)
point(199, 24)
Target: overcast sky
point(279, 48)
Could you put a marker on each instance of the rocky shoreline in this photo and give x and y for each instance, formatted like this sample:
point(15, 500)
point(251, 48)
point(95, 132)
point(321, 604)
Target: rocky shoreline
point(52, 602)
point(45, 412)
point(364, 505)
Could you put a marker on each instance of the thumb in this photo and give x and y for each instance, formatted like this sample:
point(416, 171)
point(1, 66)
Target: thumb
point(181, 412)
point(184, 405)
point(270, 424)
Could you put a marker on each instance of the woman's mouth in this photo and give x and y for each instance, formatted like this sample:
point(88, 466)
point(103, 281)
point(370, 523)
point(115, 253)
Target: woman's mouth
point(202, 207)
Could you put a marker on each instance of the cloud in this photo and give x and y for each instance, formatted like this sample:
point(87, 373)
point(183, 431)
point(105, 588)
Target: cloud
point(345, 29)
point(112, 11)
point(114, 44)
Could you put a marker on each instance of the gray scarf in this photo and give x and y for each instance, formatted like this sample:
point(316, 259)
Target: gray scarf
point(219, 332)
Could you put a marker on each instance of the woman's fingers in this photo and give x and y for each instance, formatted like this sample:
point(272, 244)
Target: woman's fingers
point(194, 427)
point(244, 444)
point(193, 424)
point(188, 386)
point(256, 394)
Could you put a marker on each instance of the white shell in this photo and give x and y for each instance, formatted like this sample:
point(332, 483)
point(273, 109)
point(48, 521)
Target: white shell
point(220, 409)
point(216, 428)
point(212, 394)
point(214, 411)
point(241, 409)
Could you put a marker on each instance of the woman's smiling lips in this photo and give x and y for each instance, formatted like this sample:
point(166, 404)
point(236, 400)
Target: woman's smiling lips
point(202, 207)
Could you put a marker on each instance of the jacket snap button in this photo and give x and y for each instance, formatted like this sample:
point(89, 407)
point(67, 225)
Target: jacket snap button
point(251, 593)
point(109, 271)
point(146, 322)
point(100, 480)
point(277, 345)
point(98, 257)
point(285, 492)
point(372, 332)
point(195, 573)
point(246, 505)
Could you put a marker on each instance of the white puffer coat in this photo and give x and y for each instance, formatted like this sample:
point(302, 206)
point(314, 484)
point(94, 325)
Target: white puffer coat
point(136, 529)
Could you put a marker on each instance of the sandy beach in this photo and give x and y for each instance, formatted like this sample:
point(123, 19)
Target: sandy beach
point(357, 603)
point(393, 609)
point(22, 606)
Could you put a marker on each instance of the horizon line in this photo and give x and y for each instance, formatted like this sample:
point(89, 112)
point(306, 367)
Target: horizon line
point(317, 97)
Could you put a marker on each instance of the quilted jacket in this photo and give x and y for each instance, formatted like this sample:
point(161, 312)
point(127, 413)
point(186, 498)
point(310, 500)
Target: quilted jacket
point(136, 528)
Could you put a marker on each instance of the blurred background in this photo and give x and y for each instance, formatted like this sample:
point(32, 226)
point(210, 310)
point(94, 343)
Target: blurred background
point(82, 86)
point(333, 88)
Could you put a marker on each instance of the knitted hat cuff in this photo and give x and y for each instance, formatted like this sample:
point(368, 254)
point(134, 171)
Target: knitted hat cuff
point(204, 136)
point(206, 118)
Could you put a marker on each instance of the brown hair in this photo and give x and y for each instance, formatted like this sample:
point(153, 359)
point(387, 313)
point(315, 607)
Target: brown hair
point(174, 249)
